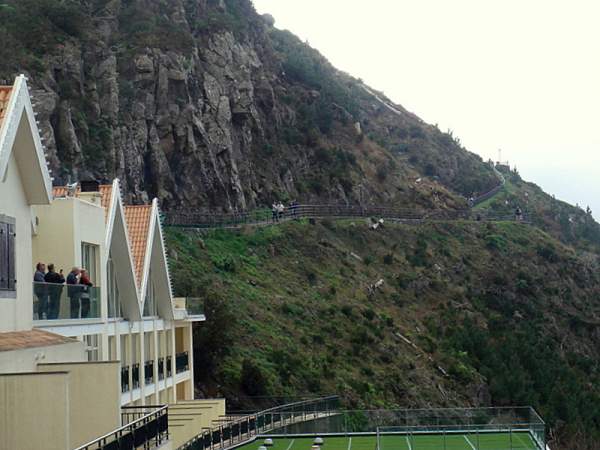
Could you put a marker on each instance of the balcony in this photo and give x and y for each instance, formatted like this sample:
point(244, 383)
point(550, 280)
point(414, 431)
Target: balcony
point(149, 372)
point(135, 375)
point(182, 362)
point(65, 302)
point(169, 371)
point(125, 379)
point(190, 308)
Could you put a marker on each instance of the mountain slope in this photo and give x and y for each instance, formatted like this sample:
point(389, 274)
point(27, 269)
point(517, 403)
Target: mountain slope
point(292, 310)
point(204, 104)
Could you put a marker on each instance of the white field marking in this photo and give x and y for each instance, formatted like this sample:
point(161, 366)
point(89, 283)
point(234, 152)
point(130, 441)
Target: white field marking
point(290, 446)
point(349, 443)
point(408, 442)
point(469, 442)
point(519, 439)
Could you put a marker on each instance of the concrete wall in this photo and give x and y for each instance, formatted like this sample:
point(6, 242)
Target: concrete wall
point(34, 411)
point(16, 313)
point(94, 398)
point(187, 418)
point(26, 360)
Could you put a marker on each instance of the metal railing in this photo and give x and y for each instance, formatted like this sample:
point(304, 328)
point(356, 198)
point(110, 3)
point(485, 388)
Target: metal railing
point(65, 301)
point(125, 379)
point(265, 217)
point(149, 371)
point(236, 430)
point(408, 422)
point(135, 375)
point(182, 362)
point(144, 427)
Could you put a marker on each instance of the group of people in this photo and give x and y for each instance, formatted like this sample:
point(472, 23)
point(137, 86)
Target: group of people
point(48, 288)
point(279, 210)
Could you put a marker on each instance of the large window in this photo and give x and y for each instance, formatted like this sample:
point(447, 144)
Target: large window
point(89, 260)
point(8, 282)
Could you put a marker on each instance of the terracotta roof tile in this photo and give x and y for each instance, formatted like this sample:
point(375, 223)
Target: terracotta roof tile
point(138, 224)
point(15, 340)
point(5, 92)
point(104, 189)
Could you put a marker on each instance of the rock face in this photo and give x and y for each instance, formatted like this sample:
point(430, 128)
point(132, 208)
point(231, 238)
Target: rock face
point(205, 105)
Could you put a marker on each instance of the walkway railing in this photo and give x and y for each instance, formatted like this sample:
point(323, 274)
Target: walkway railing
point(146, 427)
point(191, 219)
point(237, 430)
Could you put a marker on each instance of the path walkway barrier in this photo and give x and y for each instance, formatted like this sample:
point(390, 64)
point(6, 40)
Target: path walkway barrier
point(262, 217)
point(236, 430)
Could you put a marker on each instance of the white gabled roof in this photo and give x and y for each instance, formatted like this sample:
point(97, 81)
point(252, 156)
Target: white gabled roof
point(19, 135)
point(119, 246)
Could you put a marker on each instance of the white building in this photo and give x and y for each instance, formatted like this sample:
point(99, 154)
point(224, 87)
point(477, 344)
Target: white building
point(71, 356)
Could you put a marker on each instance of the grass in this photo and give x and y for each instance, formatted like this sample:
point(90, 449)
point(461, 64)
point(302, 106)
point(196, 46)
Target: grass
point(487, 441)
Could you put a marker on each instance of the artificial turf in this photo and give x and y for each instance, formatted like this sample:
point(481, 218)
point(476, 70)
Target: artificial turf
point(482, 441)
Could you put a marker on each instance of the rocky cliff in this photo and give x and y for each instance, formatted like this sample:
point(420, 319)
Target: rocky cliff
point(205, 104)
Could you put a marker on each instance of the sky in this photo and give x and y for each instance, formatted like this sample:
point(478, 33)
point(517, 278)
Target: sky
point(522, 76)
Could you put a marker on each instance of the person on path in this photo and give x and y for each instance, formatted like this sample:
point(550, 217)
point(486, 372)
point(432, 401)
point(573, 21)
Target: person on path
point(518, 214)
point(275, 211)
point(54, 284)
point(40, 291)
point(280, 210)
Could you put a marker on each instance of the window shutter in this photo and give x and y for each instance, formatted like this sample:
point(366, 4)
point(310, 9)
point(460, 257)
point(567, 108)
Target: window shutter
point(12, 260)
point(3, 255)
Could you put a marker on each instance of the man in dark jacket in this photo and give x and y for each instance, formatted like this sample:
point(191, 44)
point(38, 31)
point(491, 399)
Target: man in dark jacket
point(54, 286)
point(74, 291)
point(40, 291)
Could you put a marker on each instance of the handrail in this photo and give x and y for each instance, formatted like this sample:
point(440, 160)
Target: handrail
point(307, 211)
point(99, 443)
point(247, 424)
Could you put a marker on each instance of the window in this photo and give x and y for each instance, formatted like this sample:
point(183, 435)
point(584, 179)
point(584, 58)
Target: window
point(114, 301)
point(7, 257)
point(89, 260)
point(92, 346)
point(150, 308)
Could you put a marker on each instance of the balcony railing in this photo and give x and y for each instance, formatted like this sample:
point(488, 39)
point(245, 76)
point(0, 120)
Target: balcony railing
point(125, 379)
point(135, 375)
point(144, 427)
point(194, 306)
point(149, 371)
point(169, 370)
point(182, 362)
point(65, 301)
point(161, 369)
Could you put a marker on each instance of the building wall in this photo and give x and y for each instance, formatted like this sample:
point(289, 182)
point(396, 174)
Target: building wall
point(16, 313)
point(94, 398)
point(26, 360)
point(34, 411)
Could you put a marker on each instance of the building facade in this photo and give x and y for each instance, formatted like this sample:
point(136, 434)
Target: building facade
point(77, 351)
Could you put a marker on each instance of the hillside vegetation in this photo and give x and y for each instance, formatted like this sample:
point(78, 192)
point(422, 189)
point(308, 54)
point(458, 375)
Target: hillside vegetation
point(294, 309)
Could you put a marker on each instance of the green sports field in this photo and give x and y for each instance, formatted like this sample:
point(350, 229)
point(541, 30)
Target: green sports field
point(484, 441)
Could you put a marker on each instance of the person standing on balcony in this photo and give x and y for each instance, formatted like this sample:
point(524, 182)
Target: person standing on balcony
point(84, 280)
point(40, 291)
point(54, 282)
point(74, 291)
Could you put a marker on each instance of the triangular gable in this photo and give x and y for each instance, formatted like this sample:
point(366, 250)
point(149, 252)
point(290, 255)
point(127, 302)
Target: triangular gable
point(118, 245)
point(157, 267)
point(18, 130)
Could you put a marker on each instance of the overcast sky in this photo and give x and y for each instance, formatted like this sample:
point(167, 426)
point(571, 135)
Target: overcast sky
point(518, 75)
